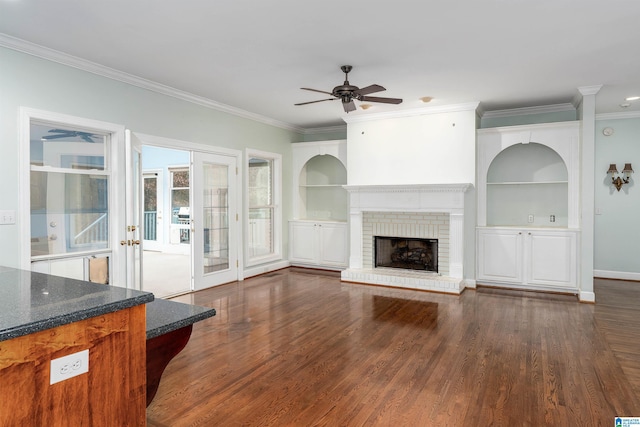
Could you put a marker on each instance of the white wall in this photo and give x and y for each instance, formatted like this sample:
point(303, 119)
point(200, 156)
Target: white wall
point(436, 148)
point(29, 81)
point(617, 226)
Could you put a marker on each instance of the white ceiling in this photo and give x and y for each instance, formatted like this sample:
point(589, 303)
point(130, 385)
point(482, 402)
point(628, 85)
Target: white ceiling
point(256, 55)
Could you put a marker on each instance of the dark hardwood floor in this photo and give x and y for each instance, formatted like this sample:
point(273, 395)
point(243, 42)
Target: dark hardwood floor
point(300, 348)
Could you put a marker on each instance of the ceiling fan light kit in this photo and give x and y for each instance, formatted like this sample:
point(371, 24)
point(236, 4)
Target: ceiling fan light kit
point(347, 93)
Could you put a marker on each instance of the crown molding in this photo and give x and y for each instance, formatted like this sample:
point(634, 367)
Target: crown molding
point(554, 108)
point(328, 129)
point(470, 106)
point(620, 115)
point(589, 90)
point(113, 74)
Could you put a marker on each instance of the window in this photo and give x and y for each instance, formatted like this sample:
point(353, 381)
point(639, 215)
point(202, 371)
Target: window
point(69, 194)
point(180, 207)
point(69, 197)
point(264, 212)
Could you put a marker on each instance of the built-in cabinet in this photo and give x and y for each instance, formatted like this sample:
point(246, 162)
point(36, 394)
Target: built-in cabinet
point(529, 257)
point(319, 243)
point(528, 203)
point(318, 234)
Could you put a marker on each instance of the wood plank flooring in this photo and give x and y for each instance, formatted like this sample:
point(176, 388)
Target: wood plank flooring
point(299, 348)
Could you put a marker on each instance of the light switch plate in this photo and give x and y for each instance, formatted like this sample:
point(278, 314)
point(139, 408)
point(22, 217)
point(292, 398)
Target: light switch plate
point(69, 366)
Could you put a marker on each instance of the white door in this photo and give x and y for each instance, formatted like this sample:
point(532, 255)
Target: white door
point(153, 210)
point(500, 255)
point(303, 238)
point(214, 220)
point(333, 244)
point(133, 223)
point(552, 258)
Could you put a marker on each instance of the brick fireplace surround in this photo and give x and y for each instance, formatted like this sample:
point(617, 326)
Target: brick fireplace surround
point(422, 211)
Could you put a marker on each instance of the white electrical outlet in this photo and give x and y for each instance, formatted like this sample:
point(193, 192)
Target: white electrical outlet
point(69, 366)
point(530, 219)
point(7, 217)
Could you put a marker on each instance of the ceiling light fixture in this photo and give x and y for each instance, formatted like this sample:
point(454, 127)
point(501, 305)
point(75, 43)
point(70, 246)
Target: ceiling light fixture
point(632, 98)
point(426, 99)
point(625, 105)
point(365, 106)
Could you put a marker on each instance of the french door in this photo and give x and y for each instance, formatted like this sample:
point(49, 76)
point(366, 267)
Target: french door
point(215, 220)
point(132, 242)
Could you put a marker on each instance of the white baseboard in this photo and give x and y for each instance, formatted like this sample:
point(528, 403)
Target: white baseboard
point(587, 296)
point(265, 268)
point(620, 275)
point(469, 283)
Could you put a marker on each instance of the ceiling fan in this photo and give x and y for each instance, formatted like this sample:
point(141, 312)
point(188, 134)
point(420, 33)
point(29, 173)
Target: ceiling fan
point(347, 93)
point(65, 133)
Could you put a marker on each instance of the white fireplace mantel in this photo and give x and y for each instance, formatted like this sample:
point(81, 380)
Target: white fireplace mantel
point(431, 198)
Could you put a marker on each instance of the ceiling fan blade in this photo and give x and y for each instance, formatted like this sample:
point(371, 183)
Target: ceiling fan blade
point(379, 99)
point(316, 90)
point(47, 137)
point(313, 102)
point(369, 89)
point(349, 106)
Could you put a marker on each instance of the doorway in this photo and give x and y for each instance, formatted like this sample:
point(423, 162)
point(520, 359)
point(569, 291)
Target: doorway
point(189, 219)
point(166, 246)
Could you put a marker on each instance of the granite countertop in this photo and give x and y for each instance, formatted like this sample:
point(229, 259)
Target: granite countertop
point(165, 316)
point(32, 302)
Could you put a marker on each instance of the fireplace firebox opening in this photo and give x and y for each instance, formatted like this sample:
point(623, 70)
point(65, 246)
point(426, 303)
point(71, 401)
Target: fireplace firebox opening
point(406, 253)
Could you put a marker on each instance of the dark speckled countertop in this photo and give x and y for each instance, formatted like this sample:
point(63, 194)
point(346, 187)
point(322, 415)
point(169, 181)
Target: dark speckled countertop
point(32, 302)
point(165, 316)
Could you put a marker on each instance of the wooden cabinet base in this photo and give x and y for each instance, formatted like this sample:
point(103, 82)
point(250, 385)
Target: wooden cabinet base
point(160, 351)
point(112, 393)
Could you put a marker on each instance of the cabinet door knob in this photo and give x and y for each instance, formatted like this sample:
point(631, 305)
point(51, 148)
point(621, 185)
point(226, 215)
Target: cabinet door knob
point(519, 232)
point(529, 234)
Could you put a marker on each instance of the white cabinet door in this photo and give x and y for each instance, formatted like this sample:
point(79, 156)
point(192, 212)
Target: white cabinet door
point(304, 242)
point(552, 258)
point(531, 258)
point(500, 255)
point(333, 244)
point(318, 243)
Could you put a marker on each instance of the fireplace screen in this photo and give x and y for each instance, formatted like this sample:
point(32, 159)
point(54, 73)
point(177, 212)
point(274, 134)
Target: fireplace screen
point(406, 253)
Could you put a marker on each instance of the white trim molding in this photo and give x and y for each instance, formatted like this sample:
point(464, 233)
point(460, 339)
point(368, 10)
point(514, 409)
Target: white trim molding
point(618, 275)
point(620, 115)
point(554, 108)
point(367, 117)
point(111, 73)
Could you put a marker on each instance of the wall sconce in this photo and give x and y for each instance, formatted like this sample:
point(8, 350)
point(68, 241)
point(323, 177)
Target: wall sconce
point(615, 178)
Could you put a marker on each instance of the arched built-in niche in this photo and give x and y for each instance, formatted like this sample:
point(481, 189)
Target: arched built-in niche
point(527, 185)
point(544, 155)
point(320, 185)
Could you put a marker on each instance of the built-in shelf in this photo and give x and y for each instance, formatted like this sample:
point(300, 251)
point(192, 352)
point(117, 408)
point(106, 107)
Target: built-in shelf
point(321, 173)
point(528, 206)
point(318, 233)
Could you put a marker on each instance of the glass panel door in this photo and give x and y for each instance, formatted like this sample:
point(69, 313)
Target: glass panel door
point(153, 208)
point(214, 220)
